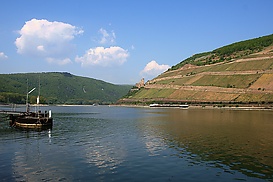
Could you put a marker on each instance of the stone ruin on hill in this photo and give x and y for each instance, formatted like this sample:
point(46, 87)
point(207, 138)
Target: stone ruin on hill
point(140, 84)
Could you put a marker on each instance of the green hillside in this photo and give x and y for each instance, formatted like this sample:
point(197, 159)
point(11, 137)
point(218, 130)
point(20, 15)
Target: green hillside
point(58, 88)
point(240, 73)
point(228, 53)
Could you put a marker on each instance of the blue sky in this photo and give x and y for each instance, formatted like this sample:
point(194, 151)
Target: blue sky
point(124, 40)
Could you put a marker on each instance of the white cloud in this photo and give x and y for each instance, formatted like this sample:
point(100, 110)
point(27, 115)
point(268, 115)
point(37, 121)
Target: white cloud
point(40, 48)
point(3, 56)
point(45, 39)
point(59, 61)
point(107, 38)
point(153, 69)
point(103, 56)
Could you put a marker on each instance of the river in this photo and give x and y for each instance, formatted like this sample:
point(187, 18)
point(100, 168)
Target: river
point(102, 143)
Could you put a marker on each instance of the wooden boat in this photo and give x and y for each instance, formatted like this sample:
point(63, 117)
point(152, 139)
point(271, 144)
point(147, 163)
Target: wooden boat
point(31, 120)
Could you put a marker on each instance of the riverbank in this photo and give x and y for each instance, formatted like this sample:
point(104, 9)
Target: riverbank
point(191, 106)
point(233, 107)
point(237, 107)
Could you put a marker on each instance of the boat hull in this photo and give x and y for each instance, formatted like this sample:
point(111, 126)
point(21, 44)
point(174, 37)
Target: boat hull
point(31, 121)
point(35, 125)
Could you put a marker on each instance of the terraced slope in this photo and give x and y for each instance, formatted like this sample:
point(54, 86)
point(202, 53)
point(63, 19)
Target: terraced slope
point(244, 79)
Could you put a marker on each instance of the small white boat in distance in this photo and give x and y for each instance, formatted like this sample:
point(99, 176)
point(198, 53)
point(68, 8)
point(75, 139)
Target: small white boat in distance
point(183, 106)
point(154, 105)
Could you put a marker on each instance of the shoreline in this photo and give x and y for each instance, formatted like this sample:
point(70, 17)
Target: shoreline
point(262, 108)
point(250, 108)
point(225, 107)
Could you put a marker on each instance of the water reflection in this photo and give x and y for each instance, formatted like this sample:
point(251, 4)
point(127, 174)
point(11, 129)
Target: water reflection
point(98, 142)
point(32, 158)
point(138, 144)
point(103, 152)
point(232, 140)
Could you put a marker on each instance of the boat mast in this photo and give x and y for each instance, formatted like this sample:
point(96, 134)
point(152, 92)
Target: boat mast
point(38, 98)
point(27, 106)
point(28, 92)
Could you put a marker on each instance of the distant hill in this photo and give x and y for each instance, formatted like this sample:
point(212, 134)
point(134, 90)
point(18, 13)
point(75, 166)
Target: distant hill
point(58, 88)
point(240, 73)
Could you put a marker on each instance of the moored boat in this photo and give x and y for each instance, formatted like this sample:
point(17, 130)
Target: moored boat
point(31, 120)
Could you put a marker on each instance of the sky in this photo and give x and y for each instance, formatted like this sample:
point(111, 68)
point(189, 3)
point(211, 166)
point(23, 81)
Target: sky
point(122, 41)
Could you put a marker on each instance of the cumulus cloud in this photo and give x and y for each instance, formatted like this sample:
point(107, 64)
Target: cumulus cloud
point(107, 38)
point(3, 56)
point(103, 56)
point(153, 69)
point(48, 40)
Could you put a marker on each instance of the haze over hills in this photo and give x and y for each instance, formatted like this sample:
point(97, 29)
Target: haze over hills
point(58, 88)
point(238, 73)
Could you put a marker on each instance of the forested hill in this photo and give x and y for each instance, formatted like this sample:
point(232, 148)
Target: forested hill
point(241, 72)
point(58, 88)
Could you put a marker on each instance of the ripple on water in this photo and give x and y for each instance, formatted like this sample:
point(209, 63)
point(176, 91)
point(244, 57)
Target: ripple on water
point(121, 144)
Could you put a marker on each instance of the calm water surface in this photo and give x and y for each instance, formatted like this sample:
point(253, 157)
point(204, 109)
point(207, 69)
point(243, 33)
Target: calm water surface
point(104, 143)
